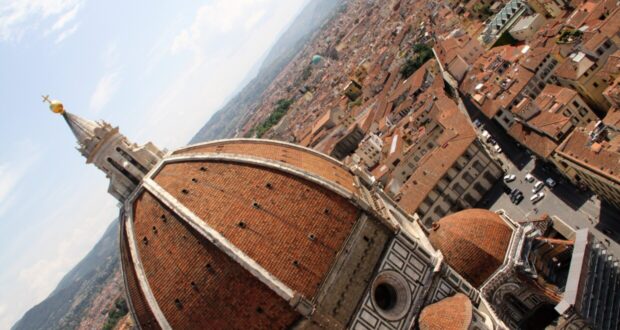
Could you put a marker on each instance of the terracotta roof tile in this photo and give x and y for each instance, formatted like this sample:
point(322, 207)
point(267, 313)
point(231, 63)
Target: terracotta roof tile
point(452, 313)
point(304, 159)
point(604, 160)
point(540, 144)
point(473, 242)
point(143, 312)
point(293, 228)
point(195, 284)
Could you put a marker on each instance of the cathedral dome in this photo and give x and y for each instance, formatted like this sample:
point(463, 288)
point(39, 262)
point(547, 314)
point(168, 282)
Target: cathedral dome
point(449, 313)
point(473, 242)
point(234, 233)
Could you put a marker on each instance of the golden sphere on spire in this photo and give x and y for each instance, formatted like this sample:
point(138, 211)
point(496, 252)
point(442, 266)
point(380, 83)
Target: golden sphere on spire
point(57, 107)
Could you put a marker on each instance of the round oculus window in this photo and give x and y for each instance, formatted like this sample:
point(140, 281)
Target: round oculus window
point(391, 295)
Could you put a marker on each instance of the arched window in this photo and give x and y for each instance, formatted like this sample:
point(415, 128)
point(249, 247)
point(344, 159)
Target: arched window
point(126, 173)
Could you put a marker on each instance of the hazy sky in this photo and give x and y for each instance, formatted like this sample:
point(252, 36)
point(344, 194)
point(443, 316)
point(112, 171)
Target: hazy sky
point(159, 72)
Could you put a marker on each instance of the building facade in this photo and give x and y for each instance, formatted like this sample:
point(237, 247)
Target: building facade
point(590, 158)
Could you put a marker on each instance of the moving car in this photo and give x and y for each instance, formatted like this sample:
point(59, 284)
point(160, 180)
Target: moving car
point(529, 178)
point(537, 186)
point(510, 177)
point(536, 197)
point(550, 182)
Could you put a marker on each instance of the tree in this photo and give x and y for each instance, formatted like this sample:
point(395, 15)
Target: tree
point(421, 54)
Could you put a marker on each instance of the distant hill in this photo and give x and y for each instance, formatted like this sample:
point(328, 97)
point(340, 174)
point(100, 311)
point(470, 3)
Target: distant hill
point(78, 295)
point(225, 121)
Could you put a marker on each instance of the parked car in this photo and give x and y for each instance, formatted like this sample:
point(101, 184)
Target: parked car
point(529, 178)
point(485, 135)
point(516, 196)
point(518, 199)
point(477, 123)
point(536, 197)
point(509, 177)
point(497, 149)
point(492, 141)
point(550, 182)
point(507, 189)
point(537, 186)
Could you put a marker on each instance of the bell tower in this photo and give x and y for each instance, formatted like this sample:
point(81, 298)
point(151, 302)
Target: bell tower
point(124, 162)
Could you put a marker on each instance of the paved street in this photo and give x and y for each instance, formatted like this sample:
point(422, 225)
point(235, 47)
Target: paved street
point(578, 209)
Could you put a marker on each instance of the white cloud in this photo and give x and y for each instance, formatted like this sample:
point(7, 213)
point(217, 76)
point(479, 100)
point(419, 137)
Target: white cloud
point(19, 16)
point(66, 33)
point(67, 17)
point(12, 172)
point(106, 88)
point(45, 260)
point(221, 61)
point(254, 18)
point(111, 56)
point(215, 19)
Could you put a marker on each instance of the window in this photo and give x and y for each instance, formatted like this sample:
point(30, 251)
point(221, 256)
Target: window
point(391, 295)
point(468, 178)
point(470, 199)
point(427, 201)
point(126, 173)
point(489, 177)
point(479, 188)
point(478, 167)
point(129, 158)
point(458, 188)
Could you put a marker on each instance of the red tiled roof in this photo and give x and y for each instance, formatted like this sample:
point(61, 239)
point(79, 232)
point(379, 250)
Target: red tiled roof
point(540, 144)
point(143, 312)
point(306, 160)
point(452, 313)
point(195, 284)
point(279, 211)
point(473, 242)
point(604, 160)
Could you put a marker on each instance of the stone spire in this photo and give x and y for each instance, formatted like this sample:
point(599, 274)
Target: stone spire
point(124, 163)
